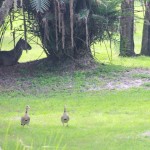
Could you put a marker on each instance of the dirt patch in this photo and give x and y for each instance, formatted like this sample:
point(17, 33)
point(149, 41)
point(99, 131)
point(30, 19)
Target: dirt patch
point(124, 80)
point(20, 77)
point(9, 76)
point(146, 134)
point(128, 80)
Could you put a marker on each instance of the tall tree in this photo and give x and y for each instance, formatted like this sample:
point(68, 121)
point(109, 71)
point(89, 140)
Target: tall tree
point(68, 28)
point(127, 28)
point(145, 50)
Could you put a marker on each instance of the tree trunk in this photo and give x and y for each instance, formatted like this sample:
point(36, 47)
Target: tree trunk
point(62, 39)
point(4, 10)
point(127, 28)
point(145, 50)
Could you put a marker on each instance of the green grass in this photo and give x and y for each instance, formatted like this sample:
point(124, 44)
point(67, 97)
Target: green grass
point(144, 76)
point(147, 84)
point(132, 62)
point(109, 120)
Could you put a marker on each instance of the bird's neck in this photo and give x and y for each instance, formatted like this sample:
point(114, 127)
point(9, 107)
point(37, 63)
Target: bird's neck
point(65, 113)
point(26, 112)
point(65, 109)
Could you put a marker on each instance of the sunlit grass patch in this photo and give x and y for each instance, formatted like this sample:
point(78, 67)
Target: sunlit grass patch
point(147, 84)
point(112, 119)
point(144, 76)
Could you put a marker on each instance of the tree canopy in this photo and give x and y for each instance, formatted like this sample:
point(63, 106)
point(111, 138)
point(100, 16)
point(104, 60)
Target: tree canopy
point(67, 28)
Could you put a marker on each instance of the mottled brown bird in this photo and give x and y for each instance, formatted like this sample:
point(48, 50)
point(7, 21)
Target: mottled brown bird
point(65, 117)
point(25, 120)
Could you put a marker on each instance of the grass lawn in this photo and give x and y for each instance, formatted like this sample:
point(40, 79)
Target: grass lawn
point(104, 119)
point(99, 120)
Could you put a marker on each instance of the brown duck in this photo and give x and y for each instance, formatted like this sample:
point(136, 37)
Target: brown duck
point(25, 120)
point(65, 117)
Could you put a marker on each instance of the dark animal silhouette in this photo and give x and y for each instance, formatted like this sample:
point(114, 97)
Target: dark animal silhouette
point(9, 58)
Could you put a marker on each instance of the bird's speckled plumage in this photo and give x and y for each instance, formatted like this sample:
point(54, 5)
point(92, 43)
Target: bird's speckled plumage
point(25, 120)
point(65, 117)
